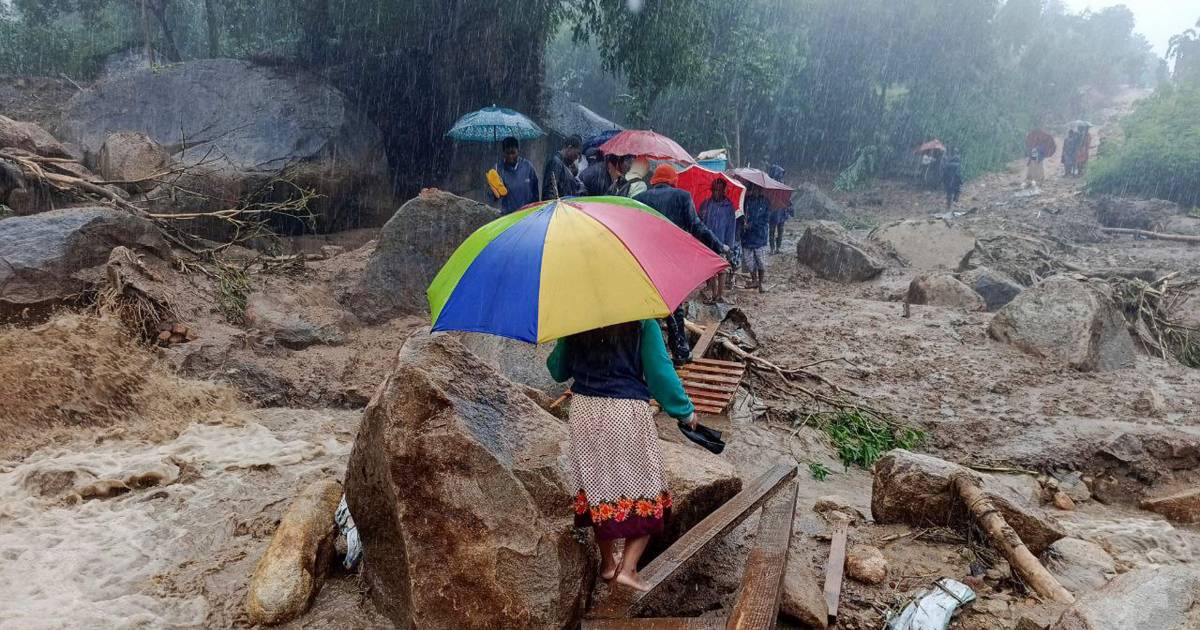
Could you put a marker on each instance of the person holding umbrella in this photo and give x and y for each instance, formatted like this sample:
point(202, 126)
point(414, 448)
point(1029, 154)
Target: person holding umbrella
point(594, 274)
point(513, 182)
point(756, 236)
point(719, 217)
point(559, 178)
point(677, 206)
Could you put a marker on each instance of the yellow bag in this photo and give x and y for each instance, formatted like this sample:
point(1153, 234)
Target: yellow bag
point(497, 184)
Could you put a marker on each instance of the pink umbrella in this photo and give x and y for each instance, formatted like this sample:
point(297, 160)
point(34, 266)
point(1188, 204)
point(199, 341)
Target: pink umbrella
point(698, 180)
point(646, 144)
point(777, 192)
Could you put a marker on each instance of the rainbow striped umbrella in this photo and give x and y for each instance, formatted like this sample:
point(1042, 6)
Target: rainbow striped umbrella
point(560, 267)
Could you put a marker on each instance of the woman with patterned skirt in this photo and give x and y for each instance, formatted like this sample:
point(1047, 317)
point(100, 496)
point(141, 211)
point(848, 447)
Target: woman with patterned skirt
point(621, 488)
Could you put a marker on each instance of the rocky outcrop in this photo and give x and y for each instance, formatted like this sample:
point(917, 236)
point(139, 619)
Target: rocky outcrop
point(290, 572)
point(1163, 598)
point(132, 159)
point(44, 258)
point(866, 564)
point(411, 249)
point(1079, 565)
point(298, 319)
point(810, 204)
point(943, 289)
point(918, 489)
point(996, 288)
point(1181, 507)
point(1068, 320)
point(518, 361)
point(458, 483)
point(829, 251)
point(928, 244)
point(700, 482)
point(27, 136)
point(242, 126)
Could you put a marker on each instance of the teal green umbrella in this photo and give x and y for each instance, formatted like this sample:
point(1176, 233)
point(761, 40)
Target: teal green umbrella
point(492, 124)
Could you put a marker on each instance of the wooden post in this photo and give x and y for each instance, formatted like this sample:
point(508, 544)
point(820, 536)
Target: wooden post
point(1009, 543)
point(835, 569)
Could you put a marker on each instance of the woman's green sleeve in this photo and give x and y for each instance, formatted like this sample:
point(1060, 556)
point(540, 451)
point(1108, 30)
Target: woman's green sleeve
point(660, 373)
point(557, 362)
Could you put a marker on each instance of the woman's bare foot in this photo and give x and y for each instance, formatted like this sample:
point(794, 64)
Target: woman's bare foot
point(632, 580)
point(608, 570)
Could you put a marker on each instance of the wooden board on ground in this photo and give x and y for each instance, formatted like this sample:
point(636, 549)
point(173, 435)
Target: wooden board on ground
point(757, 605)
point(623, 602)
point(664, 623)
point(834, 571)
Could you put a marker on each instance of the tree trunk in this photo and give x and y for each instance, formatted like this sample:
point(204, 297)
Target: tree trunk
point(146, 34)
point(214, 35)
point(159, 9)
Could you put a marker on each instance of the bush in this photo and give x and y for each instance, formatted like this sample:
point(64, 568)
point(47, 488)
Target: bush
point(1159, 153)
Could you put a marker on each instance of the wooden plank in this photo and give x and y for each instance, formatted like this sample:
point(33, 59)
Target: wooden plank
point(718, 362)
point(623, 602)
point(705, 340)
point(709, 377)
point(662, 623)
point(716, 411)
point(707, 398)
point(757, 605)
point(716, 387)
point(715, 369)
point(834, 570)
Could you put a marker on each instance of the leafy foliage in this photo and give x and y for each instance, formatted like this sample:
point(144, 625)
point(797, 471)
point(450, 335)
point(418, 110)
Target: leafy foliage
point(819, 471)
point(861, 440)
point(1159, 153)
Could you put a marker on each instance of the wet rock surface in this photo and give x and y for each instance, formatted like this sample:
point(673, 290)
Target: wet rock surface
point(297, 320)
point(829, 251)
point(458, 484)
point(28, 136)
point(1080, 566)
point(1166, 598)
point(133, 159)
point(997, 289)
point(412, 247)
point(928, 244)
point(811, 204)
point(943, 289)
point(1068, 320)
point(1181, 507)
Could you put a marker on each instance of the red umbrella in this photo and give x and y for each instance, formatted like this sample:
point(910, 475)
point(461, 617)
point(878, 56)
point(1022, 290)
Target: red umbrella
point(932, 145)
point(698, 180)
point(777, 192)
point(1042, 141)
point(646, 144)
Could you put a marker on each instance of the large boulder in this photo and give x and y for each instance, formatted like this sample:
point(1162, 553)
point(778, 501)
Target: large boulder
point(1068, 320)
point(996, 288)
point(1136, 214)
point(412, 247)
point(43, 257)
point(803, 599)
point(1181, 507)
point(458, 484)
point(811, 204)
point(700, 482)
point(928, 244)
point(27, 136)
point(299, 318)
point(1163, 598)
point(1079, 565)
point(245, 125)
point(829, 251)
point(518, 361)
point(943, 289)
point(291, 570)
point(132, 158)
point(918, 489)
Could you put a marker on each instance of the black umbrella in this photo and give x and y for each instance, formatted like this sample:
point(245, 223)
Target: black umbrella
point(704, 436)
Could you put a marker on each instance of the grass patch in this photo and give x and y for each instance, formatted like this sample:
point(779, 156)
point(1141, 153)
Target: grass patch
point(860, 223)
point(861, 440)
point(818, 471)
point(233, 287)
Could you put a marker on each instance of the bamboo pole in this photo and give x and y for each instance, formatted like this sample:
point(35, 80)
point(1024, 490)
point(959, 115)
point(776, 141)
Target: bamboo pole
point(1009, 543)
point(1162, 236)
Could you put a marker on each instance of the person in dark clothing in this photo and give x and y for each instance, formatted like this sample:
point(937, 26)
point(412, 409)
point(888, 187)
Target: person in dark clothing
point(620, 483)
point(952, 178)
point(718, 215)
point(558, 178)
point(601, 177)
point(677, 206)
point(756, 235)
point(779, 219)
point(1069, 150)
point(514, 181)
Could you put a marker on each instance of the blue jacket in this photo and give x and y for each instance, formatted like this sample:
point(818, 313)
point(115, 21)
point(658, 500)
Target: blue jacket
point(596, 180)
point(758, 223)
point(558, 180)
point(719, 217)
point(521, 180)
point(676, 205)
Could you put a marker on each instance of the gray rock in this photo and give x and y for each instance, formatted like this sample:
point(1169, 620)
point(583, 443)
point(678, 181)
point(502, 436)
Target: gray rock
point(828, 250)
point(27, 136)
point(42, 257)
point(129, 156)
point(1136, 214)
point(803, 599)
point(1068, 320)
point(943, 289)
point(455, 468)
point(307, 317)
point(518, 361)
point(811, 204)
point(996, 288)
point(1162, 598)
point(247, 124)
point(928, 244)
point(1079, 565)
point(1181, 507)
point(917, 489)
point(412, 247)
